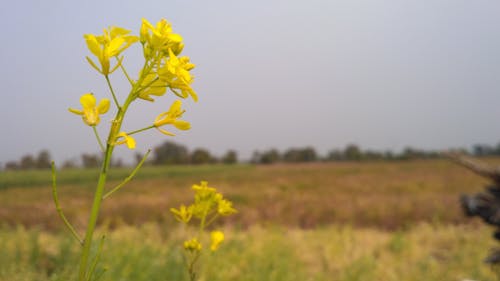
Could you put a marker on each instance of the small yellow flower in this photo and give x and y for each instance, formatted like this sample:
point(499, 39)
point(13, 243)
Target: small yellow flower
point(216, 238)
point(160, 37)
point(152, 87)
point(225, 208)
point(175, 73)
point(170, 117)
point(183, 214)
point(192, 245)
point(110, 44)
point(125, 139)
point(90, 112)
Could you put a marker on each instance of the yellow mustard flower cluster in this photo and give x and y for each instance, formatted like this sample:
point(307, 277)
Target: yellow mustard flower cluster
point(163, 69)
point(207, 207)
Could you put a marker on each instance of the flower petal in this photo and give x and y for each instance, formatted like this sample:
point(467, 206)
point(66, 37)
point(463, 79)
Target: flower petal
point(75, 111)
point(92, 44)
point(182, 125)
point(103, 106)
point(87, 101)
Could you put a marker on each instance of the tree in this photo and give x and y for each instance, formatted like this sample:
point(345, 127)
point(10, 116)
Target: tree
point(170, 153)
point(307, 154)
point(201, 156)
point(28, 162)
point(43, 160)
point(231, 157)
point(268, 157)
point(90, 160)
point(352, 152)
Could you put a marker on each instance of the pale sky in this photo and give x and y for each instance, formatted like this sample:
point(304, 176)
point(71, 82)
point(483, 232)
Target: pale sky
point(269, 74)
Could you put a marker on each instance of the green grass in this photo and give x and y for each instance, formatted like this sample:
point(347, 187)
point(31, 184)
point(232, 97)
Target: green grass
point(150, 252)
point(37, 178)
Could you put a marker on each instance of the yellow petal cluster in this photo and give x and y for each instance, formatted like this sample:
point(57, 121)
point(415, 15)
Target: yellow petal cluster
point(90, 112)
point(159, 38)
point(108, 45)
point(192, 245)
point(123, 138)
point(175, 72)
point(216, 237)
point(152, 86)
point(170, 117)
point(184, 213)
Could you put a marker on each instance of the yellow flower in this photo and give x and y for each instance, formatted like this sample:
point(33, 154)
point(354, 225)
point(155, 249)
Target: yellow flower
point(183, 214)
point(152, 87)
point(90, 112)
point(170, 117)
point(225, 207)
point(175, 73)
point(192, 245)
point(216, 238)
point(110, 44)
point(125, 139)
point(160, 37)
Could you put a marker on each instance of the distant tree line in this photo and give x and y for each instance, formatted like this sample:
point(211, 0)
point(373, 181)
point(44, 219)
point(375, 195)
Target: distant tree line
point(171, 153)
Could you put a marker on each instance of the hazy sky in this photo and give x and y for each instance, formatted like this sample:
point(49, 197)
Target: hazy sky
point(269, 74)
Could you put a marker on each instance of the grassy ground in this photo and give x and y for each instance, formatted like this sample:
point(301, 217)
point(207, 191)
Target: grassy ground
point(151, 252)
point(330, 221)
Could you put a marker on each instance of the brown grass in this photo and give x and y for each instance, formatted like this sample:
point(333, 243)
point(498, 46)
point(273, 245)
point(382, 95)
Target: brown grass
point(386, 195)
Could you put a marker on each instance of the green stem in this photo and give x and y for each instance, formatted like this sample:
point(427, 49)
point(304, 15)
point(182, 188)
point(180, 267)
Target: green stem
point(129, 177)
point(192, 272)
point(112, 91)
point(58, 206)
point(98, 195)
point(87, 242)
point(141, 130)
point(96, 259)
point(212, 220)
point(125, 73)
point(98, 138)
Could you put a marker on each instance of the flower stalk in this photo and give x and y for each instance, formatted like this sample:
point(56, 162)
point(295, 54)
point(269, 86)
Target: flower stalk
point(162, 70)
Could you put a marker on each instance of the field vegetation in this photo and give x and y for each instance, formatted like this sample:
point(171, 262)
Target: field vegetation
point(316, 221)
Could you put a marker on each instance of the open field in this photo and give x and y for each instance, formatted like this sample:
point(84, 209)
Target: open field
point(388, 195)
point(322, 221)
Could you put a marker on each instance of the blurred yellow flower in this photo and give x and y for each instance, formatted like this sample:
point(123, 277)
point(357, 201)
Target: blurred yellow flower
point(170, 117)
point(183, 214)
point(225, 207)
point(125, 139)
point(216, 238)
point(192, 245)
point(90, 112)
point(110, 44)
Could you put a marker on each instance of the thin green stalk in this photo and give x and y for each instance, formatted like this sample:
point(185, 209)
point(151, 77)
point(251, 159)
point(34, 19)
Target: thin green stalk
point(212, 220)
point(141, 130)
point(98, 195)
point(87, 243)
point(125, 73)
point(98, 138)
point(59, 209)
point(126, 180)
point(112, 91)
point(96, 260)
point(192, 272)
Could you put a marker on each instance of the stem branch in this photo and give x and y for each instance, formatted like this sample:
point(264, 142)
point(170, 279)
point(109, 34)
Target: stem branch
point(59, 209)
point(126, 180)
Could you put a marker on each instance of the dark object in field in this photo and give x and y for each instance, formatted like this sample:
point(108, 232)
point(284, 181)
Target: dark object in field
point(486, 204)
